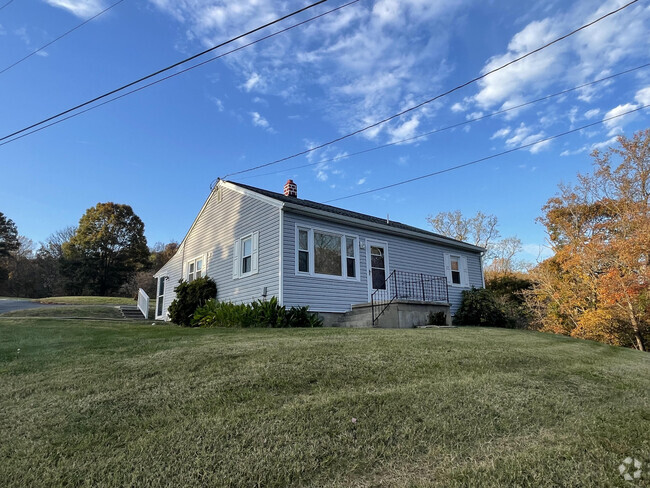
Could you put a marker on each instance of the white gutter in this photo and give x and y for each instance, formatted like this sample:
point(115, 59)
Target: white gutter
point(382, 228)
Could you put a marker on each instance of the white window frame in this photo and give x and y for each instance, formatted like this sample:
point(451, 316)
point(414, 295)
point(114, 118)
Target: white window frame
point(311, 250)
point(238, 256)
point(462, 268)
point(299, 250)
point(204, 269)
point(161, 281)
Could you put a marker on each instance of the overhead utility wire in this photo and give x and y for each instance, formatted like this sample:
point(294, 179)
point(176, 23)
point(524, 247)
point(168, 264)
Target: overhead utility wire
point(415, 107)
point(6, 4)
point(453, 126)
point(61, 36)
point(486, 158)
point(160, 71)
point(311, 19)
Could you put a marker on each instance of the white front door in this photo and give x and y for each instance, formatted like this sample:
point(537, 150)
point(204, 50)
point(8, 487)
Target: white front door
point(377, 265)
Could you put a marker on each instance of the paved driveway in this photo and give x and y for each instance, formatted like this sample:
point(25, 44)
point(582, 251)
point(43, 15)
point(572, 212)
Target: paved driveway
point(7, 305)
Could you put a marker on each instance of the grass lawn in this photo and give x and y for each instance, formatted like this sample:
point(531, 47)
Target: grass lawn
point(103, 403)
point(87, 300)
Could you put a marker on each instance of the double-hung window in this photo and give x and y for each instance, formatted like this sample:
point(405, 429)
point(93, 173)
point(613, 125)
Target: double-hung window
point(325, 253)
point(245, 256)
point(456, 270)
point(303, 251)
point(195, 268)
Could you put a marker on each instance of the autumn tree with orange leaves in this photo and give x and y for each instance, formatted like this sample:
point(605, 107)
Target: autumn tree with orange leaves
point(596, 286)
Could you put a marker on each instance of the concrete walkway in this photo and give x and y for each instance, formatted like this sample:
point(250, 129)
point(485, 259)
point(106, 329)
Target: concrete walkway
point(10, 304)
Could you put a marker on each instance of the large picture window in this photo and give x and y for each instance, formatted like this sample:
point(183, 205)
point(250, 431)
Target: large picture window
point(324, 253)
point(327, 254)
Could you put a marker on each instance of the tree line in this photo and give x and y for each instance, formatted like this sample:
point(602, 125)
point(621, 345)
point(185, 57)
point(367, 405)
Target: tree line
point(106, 254)
point(596, 285)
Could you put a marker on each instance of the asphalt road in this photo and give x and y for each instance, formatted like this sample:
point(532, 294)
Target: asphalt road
point(8, 305)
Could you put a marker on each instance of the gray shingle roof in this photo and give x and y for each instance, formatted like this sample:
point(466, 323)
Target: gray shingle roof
point(349, 213)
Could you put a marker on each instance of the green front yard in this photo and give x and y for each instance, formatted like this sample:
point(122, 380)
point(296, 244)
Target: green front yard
point(109, 403)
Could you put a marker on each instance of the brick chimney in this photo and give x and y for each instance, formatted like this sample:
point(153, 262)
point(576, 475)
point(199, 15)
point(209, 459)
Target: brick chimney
point(290, 189)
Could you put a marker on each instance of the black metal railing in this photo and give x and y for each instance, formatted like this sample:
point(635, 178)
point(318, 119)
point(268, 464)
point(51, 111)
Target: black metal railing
point(402, 285)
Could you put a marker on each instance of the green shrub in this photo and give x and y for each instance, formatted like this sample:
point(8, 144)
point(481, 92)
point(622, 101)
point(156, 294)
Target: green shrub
point(258, 314)
point(480, 307)
point(189, 297)
point(437, 318)
point(509, 290)
point(302, 317)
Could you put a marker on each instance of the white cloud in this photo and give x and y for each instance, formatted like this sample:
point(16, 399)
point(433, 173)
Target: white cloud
point(643, 96)
point(605, 144)
point(81, 8)
point(361, 181)
point(501, 133)
point(615, 126)
point(217, 102)
point(365, 61)
point(590, 114)
point(590, 54)
point(253, 81)
point(574, 152)
point(458, 107)
point(406, 130)
point(260, 121)
point(524, 135)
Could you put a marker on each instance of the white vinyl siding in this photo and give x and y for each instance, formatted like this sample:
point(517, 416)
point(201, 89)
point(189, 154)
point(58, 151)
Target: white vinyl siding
point(337, 294)
point(213, 235)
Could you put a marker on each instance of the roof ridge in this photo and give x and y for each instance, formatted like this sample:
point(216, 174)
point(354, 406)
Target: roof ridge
point(394, 225)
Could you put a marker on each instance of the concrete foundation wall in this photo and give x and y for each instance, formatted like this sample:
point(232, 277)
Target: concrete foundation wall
point(399, 315)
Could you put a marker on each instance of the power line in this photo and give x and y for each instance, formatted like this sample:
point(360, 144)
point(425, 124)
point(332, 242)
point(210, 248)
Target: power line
point(419, 105)
point(453, 126)
point(61, 36)
point(6, 4)
point(160, 80)
point(160, 71)
point(486, 158)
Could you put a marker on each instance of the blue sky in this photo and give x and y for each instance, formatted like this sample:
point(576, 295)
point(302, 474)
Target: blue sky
point(158, 150)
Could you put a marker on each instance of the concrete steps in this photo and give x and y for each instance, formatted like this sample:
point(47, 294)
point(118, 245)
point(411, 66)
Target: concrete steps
point(400, 314)
point(359, 317)
point(131, 312)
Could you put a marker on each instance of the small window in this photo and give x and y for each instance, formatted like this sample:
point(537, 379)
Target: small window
point(455, 270)
point(303, 251)
point(350, 253)
point(247, 255)
point(195, 269)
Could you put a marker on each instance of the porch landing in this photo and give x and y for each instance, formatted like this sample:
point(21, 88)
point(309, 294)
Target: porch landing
point(400, 314)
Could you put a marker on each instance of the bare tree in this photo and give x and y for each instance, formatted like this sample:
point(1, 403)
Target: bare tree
point(480, 230)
